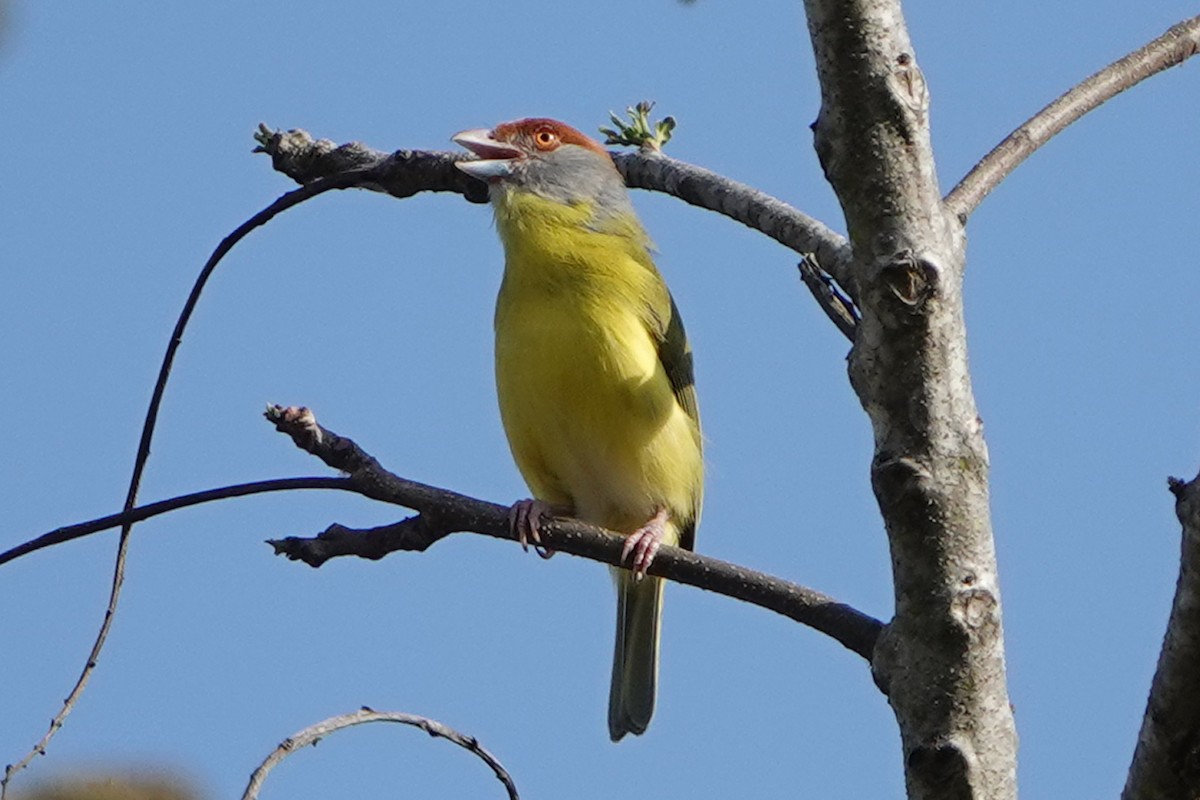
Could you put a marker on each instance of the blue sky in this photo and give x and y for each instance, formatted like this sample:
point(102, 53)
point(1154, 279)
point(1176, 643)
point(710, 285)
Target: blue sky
point(126, 131)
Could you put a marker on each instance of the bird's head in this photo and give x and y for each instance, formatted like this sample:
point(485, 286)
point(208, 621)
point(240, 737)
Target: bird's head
point(546, 157)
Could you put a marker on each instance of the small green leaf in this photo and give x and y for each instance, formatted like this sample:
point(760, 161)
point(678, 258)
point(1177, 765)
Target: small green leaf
point(637, 131)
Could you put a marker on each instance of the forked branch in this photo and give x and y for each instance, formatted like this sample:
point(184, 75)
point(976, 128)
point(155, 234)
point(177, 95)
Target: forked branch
point(442, 512)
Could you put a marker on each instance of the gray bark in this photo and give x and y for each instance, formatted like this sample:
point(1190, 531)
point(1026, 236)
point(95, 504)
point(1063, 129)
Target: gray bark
point(1166, 763)
point(941, 659)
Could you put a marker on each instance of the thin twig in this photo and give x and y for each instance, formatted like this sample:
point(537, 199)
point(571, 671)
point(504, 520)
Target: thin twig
point(285, 202)
point(443, 512)
point(413, 535)
point(141, 513)
point(314, 733)
point(839, 309)
point(1179, 43)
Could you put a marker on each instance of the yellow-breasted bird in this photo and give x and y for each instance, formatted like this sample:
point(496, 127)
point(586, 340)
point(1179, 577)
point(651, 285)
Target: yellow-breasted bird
point(593, 372)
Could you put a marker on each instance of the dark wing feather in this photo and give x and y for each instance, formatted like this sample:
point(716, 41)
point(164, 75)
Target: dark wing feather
point(675, 354)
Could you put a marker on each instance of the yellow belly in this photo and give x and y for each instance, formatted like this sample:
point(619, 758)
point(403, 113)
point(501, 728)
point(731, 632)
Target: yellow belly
point(589, 411)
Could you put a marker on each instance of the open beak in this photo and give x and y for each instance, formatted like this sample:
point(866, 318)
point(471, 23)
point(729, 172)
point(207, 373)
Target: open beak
point(495, 158)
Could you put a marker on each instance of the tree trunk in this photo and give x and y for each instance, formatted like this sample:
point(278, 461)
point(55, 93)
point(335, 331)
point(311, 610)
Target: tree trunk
point(941, 659)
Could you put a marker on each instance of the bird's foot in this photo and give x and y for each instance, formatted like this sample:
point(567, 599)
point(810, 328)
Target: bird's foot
point(643, 543)
point(525, 520)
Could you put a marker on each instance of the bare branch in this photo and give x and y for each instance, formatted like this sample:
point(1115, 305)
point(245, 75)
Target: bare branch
point(315, 733)
point(141, 513)
point(402, 173)
point(1166, 762)
point(261, 218)
point(1178, 44)
point(745, 204)
point(405, 172)
point(840, 310)
point(443, 512)
point(413, 535)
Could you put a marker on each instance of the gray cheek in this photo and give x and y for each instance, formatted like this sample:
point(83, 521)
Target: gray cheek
point(573, 174)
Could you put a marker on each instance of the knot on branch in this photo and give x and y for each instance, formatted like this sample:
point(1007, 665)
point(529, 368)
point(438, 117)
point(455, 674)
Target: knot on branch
point(900, 482)
point(908, 88)
point(942, 768)
point(910, 280)
point(975, 608)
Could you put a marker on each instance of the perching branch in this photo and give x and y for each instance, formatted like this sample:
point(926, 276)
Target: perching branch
point(405, 172)
point(315, 733)
point(441, 512)
point(1166, 762)
point(1178, 44)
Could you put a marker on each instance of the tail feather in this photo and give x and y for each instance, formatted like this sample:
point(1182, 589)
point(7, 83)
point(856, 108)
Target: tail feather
point(635, 656)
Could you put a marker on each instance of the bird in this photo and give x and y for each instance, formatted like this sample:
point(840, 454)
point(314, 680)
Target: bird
point(594, 373)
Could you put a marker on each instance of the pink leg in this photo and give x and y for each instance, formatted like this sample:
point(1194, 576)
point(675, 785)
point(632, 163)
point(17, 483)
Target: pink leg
point(644, 543)
point(525, 520)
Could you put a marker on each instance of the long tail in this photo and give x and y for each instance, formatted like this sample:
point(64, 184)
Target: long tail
point(635, 656)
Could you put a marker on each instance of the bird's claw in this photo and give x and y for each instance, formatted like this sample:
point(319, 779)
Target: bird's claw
point(525, 520)
point(643, 544)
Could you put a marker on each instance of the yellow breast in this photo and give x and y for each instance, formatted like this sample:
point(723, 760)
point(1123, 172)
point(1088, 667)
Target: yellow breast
point(587, 406)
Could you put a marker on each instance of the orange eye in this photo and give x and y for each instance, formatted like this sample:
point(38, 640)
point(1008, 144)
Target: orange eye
point(545, 139)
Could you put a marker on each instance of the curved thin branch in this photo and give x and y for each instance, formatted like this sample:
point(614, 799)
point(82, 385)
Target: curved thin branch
point(314, 733)
point(443, 512)
point(1179, 43)
point(405, 172)
point(78, 531)
point(285, 202)
point(1166, 760)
